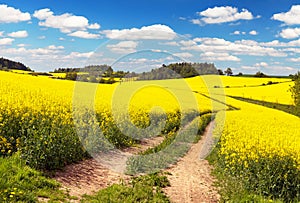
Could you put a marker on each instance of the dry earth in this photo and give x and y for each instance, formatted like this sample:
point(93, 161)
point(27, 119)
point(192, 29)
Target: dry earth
point(89, 176)
point(190, 178)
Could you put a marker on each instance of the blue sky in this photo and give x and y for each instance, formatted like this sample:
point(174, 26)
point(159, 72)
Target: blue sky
point(248, 36)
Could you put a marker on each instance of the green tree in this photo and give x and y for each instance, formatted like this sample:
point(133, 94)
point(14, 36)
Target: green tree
point(71, 75)
point(109, 72)
point(220, 72)
point(260, 75)
point(93, 79)
point(296, 90)
point(228, 72)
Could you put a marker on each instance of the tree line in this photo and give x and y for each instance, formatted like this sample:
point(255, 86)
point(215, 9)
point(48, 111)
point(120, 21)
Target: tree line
point(178, 70)
point(6, 64)
point(296, 91)
point(258, 74)
point(93, 70)
point(96, 73)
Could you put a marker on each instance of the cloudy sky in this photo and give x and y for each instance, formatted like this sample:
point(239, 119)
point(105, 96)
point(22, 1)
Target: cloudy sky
point(247, 36)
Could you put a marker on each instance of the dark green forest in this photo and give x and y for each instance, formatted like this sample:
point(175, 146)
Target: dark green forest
point(178, 70)
point(6, 64)
point(95, 70)
point(171, 71)
point(296, 91)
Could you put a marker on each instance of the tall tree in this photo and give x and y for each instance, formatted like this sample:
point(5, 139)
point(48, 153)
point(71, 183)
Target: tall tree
point(228, 71)
point(260, 75)
point(220, 72)
point(296, 90)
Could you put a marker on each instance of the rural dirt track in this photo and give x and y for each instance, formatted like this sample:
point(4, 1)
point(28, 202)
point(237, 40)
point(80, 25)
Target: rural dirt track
point(89, 176)
point(190, 178)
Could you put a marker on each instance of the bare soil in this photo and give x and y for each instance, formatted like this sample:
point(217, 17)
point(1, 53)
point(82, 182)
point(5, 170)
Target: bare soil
point(190, 178)
point(89, 176)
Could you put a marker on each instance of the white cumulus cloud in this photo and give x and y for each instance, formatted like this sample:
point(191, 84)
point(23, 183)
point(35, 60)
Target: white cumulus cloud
point(291, 17)
point(290, 33)
point(23, 45)
point(184, 55)
point(242, 47)
point(211, 56)
point(53, 47)
point(212, 41)
point(236, 32)
point(94, 26)
point(66, 22)
point(74, 55)
point(6, 41)
point(253, 32)
point(84, 34)
point(196, 21)
point(43, 14)
point(18, 34)
point(12, 15)
point(154, 32)
point(277, 43)
point(222, 14)
point(46, 58)
point(294, 60)
point(123, 47)
point(171, 43)
point(261, 64)
point(42, 37)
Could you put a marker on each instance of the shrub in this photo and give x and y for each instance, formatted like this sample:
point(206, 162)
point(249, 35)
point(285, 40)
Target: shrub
point(46, 141)
point(71, 75)
point(296, 90)
point(275, 177)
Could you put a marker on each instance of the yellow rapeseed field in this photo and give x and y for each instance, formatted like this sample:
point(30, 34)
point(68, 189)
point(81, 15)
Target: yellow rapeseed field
point(277, 93)
point(249, 81)
point(48, 120)
point(38, 109)
point(28, 101)
point(260, 148)
point(255, 131)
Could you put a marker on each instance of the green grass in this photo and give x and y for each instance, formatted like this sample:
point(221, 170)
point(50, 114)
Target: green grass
point(282, 107)
point(20, 183)
point(170, 137)
point(140, 189)
point(269, 76)
point(175, 145)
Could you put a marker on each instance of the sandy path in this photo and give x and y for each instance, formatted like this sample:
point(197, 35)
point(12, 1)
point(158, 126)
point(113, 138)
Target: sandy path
point(89, 176)
point(190, 178)
point(86, 177)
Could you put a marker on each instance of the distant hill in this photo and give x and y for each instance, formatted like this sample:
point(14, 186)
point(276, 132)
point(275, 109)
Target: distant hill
point(8, 64)
point(178, 70)
point(171, 71)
